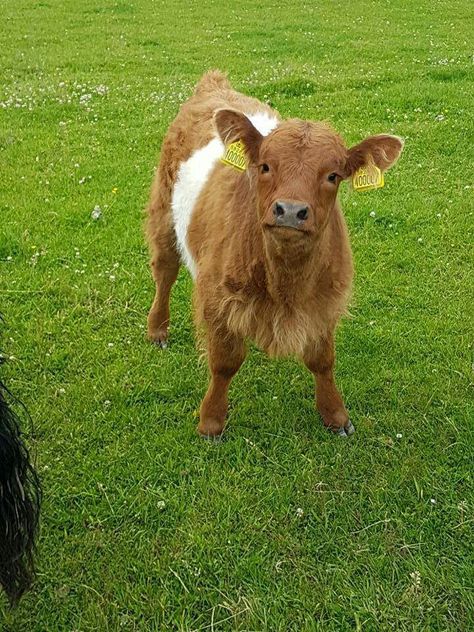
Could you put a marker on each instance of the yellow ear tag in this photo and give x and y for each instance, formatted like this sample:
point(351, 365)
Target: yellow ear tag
point(235, 156)
point(367, 177)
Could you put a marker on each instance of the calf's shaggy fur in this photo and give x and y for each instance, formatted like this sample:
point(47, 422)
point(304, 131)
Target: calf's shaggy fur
point(268, 247)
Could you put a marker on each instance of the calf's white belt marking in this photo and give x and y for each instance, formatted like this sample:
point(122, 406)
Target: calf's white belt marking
point(192, 176)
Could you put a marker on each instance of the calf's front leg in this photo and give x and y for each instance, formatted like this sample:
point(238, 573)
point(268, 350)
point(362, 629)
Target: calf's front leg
point(320, 361)
point(226, 353)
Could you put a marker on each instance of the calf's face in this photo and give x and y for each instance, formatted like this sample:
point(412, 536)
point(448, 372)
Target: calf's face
point(299, 167)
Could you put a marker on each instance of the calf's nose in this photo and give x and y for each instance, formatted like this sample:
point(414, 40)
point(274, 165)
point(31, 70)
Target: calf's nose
point(290, 213)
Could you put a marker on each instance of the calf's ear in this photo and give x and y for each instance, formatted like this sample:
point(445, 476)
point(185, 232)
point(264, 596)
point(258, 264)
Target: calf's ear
point(383, 150)
point(233, 125)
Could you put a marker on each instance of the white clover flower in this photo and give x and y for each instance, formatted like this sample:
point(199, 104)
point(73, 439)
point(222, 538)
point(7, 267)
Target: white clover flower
point(85, 98)
point(96, 213)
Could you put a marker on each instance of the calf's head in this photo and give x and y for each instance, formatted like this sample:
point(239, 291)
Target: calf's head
point(297, 169)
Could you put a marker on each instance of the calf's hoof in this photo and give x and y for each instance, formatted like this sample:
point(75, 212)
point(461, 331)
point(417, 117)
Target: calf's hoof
point(345, 432)
point(159, 338)
point(211, 438)
point(210, 428)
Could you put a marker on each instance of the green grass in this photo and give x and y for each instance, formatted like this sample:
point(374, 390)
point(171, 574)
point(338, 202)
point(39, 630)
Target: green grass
point(145, 526)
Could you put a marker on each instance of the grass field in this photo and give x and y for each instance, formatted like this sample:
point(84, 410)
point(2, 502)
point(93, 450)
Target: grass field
point(281, 526)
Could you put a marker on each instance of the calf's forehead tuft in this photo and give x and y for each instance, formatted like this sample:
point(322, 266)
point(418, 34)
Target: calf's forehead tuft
point(295, 136)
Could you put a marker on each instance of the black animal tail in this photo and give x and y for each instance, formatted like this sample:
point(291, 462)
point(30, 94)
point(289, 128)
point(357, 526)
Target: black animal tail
point(20, 499)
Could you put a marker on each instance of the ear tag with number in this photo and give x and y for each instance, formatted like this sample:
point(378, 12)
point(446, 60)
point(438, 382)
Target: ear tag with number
point(367, 177)
point(235, 156)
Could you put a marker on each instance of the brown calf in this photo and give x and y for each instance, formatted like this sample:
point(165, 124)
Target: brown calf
point(268, 247)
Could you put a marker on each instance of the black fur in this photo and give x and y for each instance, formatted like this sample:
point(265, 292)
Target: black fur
point(20, 499)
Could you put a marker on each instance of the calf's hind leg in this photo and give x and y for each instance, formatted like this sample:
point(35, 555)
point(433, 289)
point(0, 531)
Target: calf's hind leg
point(164, 266)
point(226, 353)
point(320, 361)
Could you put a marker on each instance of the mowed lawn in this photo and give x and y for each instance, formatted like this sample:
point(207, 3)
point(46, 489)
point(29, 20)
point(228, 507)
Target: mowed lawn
point(281, 526)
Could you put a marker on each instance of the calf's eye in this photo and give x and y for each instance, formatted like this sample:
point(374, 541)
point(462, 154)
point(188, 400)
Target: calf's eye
point(332, 177)
point(265, 168)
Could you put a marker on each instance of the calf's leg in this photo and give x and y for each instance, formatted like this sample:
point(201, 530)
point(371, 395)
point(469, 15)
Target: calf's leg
point(164, 266)
point(225, 356)
point(320, 361)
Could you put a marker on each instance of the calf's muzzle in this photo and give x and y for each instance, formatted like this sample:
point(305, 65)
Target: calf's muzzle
point(290, 213)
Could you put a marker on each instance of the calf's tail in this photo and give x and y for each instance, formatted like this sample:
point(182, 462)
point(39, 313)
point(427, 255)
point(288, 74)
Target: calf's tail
point(212, 82)
point(20, 499)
